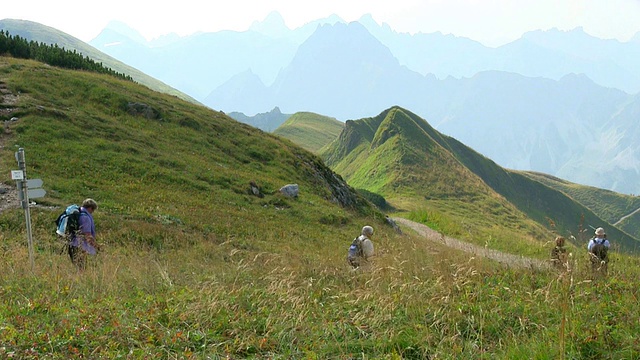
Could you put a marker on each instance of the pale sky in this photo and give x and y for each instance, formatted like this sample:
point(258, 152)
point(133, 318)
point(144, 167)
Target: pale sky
point(492, 22)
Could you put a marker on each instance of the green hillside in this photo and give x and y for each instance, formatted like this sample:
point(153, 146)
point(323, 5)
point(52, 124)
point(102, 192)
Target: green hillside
point(195, 266)
point(44, 34)
point(117, 142)
point(310, 131)
point(618, 209)
point(542, 203)
point(399, 156)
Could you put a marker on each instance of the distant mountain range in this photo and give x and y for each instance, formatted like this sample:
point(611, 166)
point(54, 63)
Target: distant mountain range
point(269, 46)
point(199, 63)
point(269, 121)
point(562, 114)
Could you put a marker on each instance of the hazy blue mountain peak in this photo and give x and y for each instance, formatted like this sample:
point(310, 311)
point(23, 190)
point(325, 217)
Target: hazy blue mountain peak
point(352, 41)
point(367, 21)
point(578, 79)
point(312, 26)
point(353, 27)
point(555, 37)
point(165, 40)
point(332, 19)
point(273, 25)
point(373, 26)
point(125, 30)
point(247, 74)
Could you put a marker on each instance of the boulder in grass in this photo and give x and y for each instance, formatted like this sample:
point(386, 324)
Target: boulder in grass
point(290, 190)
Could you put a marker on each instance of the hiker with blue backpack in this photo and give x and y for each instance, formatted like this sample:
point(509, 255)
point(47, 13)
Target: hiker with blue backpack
point(78, 229)
point(361, 248)
point(598, 248)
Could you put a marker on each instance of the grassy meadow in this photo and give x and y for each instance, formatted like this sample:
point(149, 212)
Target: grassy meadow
point(265, 297)
point(194, 266)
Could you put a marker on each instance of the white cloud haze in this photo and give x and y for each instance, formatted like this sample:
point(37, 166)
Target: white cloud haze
point(492, 22)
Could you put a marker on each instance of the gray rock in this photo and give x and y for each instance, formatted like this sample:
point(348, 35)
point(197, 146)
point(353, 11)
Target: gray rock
point(290, 190)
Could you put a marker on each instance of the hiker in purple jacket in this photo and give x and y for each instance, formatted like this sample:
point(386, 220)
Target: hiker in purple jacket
point(84, 242)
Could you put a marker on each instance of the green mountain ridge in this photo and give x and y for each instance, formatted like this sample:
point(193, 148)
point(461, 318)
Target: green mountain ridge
point(614, 208)
point(311, 131)
point(399, 156)
point(397, 143)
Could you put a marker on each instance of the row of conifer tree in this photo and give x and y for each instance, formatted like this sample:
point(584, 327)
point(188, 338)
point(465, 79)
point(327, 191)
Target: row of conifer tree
point(51, 54)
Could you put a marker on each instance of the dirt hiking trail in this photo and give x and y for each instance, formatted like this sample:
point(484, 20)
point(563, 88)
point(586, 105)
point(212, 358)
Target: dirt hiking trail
point(503, 258)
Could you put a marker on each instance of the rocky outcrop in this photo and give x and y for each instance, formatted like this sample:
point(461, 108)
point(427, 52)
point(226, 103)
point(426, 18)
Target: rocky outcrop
point(144, 110)
point(341, 192)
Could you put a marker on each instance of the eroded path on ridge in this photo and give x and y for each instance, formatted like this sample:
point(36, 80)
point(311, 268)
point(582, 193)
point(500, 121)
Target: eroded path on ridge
point(626, 216)
point(501, 257)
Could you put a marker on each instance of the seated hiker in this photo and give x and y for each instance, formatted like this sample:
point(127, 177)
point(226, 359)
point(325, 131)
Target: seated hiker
point(598, 247)
point(361, 248)
point(559, 253)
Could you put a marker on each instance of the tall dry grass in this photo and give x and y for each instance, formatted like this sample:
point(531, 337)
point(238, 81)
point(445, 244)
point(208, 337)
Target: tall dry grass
point(264, 296)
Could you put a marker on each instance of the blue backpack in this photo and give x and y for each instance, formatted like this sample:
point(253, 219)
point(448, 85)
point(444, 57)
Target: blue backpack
point(355, 249)
point(68, 222)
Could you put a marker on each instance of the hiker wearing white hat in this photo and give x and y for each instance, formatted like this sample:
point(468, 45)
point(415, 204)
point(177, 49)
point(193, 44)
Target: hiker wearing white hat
point(599, 247)
point(599, 238)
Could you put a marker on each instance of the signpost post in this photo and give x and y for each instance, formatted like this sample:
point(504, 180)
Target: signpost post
point(26, 189)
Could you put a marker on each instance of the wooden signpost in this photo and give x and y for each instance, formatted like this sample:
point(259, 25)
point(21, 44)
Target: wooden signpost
point(27, 189)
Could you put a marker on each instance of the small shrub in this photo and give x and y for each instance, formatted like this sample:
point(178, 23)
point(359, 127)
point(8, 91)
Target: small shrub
point(376, 199)
point(190, 123)
point(278, 202)
point(333, 219)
